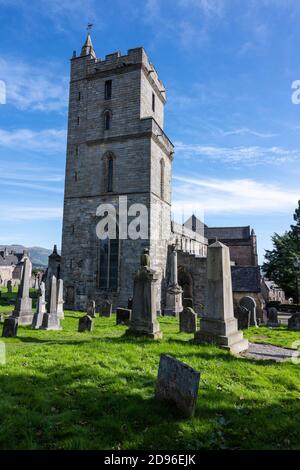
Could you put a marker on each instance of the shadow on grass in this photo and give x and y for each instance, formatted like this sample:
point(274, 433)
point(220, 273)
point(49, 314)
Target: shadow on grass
point(78, 407)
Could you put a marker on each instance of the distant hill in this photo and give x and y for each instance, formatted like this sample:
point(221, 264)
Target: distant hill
point(38, 255)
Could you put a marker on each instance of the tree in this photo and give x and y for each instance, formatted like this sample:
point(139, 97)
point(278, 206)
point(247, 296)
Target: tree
point(278, 264)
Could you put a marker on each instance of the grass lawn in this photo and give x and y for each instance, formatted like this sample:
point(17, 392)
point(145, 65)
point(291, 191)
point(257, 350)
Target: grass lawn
point(69, 390)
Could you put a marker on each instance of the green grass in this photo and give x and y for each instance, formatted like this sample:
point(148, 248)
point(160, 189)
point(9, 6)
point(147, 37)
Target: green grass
point(69, 390)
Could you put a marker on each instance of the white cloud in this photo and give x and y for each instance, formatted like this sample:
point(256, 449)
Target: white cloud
point(247, 131)
point(212, 8)
point(37, 88)
point(65, 15)
point(18, 213)
point(45, 141)
point(239, 196)
point(252, 155)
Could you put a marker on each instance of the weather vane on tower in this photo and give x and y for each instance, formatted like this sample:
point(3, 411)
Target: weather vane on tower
point(89, 27)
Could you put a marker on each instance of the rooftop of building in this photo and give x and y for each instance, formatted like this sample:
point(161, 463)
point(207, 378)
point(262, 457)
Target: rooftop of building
point(228, 233)
point(10, 258)
point(116, 60)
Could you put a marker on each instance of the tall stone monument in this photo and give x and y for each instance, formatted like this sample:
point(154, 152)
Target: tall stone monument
point(60, 300)
point(23, 309)
point(40, 308)
point(50, 318)
point(143, 318)
point(219, 326)
point(174, 291)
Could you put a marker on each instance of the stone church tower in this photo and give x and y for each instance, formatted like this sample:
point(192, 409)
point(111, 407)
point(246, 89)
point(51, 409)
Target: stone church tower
point(116, 148)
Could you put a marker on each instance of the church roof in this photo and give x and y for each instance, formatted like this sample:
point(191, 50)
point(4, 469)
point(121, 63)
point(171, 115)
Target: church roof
point(245, 278)
point(10, 258)
point(227, 233)
point(87, 48)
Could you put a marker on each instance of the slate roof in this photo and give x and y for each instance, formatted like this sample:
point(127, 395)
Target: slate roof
point(10, 258)
point(245, 278)
point(227, 233)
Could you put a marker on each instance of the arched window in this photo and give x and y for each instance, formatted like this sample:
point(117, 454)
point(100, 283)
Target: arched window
point(110, 174)
point(162, 179)
point(107, 119)
point(108, 262)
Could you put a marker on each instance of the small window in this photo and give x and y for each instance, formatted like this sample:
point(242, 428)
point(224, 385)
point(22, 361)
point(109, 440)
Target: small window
point(107, 121)
point(76, 176)
point(79, 96)
point(78, 120)
point(153, 102)
point(108, 89)
point(110, 174)
point(76, 150)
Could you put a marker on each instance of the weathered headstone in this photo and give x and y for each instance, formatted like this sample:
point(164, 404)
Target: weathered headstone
point(187, 320)
point(36, 282)
point(178, 384)
point(10, 327)
point(23, 309)
point(106, 309)
point(40, 308)
point(273, 317)
point(123, 316)
point(188, 302)
point(219, 326)
point(50, 318)
point(294, 322)
point(91, 308)
point(250, 304)
point(85, 324)
point(144, 314)
point(9, 287)
point(60, 300)
point(243, 317)
point(174, 291)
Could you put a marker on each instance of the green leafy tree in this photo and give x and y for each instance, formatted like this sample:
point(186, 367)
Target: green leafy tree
point(278, 264)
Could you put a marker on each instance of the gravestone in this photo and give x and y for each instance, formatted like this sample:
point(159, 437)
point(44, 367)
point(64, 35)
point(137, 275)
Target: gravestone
point(187, 320)
point(188, 302)
point(273, 317)
point(36, 282)
point(40, 308)
point(174, 291)
point(10, 327)
point(91, 308)
point(177, 384)
point(106, 309)
point(294, 322)
point(85, 324)
point(23, 308)
point(50, 318)
point(9, 287)
point(219, 326)
point(242, 315)
point(123, 316)
point(60, 300)
point(144, 314)
point(250, 304)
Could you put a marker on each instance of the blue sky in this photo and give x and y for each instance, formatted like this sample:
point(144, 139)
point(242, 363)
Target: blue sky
point(228, 67)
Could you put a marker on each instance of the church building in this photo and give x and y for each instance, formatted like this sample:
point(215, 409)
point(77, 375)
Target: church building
point(119, 155)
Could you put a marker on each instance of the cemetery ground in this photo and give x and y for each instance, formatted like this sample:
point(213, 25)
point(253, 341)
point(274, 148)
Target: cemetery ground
point(70, 390)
